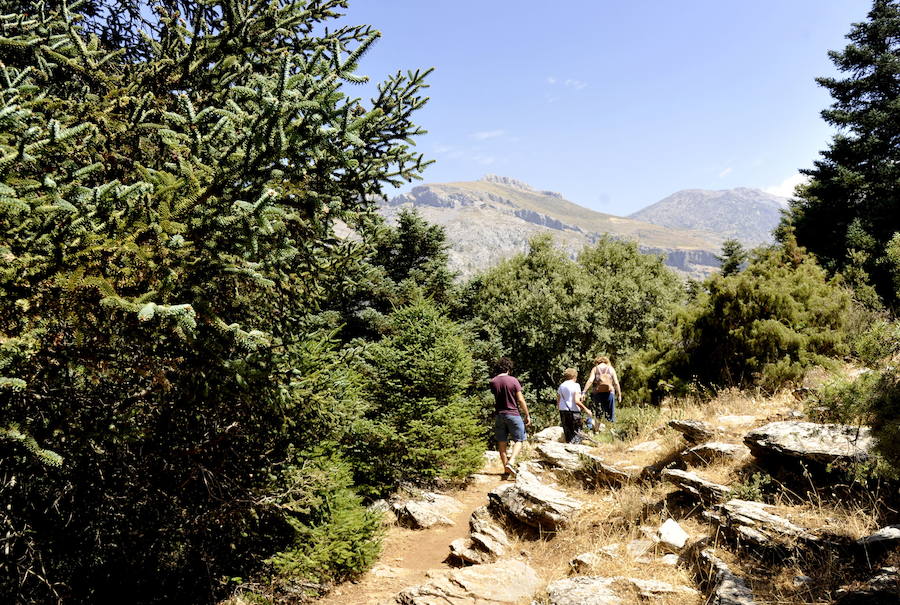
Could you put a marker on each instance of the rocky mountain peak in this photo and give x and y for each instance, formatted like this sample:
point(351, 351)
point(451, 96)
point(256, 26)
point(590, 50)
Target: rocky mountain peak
point(507, 181)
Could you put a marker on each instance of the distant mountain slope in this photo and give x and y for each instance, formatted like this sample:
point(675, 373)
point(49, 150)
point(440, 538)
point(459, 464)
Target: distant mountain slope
point(494, 218)
point(749, 215)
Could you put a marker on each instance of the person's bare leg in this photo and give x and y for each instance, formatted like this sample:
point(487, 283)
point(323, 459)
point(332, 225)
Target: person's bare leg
point(517, 446)
point(501, 445)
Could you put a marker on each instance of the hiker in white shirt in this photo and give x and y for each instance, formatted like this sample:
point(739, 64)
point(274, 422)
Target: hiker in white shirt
point(568, 400)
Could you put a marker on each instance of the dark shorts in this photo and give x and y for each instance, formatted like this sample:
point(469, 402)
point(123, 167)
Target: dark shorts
point(509, 428)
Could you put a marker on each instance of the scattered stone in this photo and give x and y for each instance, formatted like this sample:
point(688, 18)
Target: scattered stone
point(886, 536)
point(709, 452)
point(608, 474)
point(489, 545)
point(883, 588)
point(653, 589)
point(671, 535)
point(802, 580)
point(752, 522)
point(695, 431)
point(429, 510)
point(811, 442)
point(585, 562)
point(669, 559)
point(482, 523)
point(707, 491)
point(646, 446)
point(611, 550)
point(462, 550)
point(583, 590)
point(568, 456)
point(504, 582)
point(534, 503)
point(551, 433)
point(638, 548)
point(725, 588)
point(380, 570)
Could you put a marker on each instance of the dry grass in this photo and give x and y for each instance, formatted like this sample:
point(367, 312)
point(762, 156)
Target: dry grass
point(627, 514)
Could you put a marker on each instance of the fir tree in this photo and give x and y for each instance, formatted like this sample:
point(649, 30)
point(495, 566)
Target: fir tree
point(170, 177)
point(733, 257)
point(849, 211)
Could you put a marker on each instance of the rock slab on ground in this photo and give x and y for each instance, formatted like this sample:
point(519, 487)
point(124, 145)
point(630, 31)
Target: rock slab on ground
point(754, 523)
point(696, 485)
point(811, 442)
point(671, 535)
point(552, 434)
point(711, 451)
point(534, 503)
point(503, 582)
point(426, 511)
point(725, 588)
point(695, 431)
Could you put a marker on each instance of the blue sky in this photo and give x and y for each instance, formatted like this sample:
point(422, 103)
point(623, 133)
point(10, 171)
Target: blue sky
point(616, 104)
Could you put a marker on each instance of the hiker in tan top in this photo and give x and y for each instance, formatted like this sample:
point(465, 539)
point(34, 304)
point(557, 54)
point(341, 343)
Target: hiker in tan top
point(606, 388)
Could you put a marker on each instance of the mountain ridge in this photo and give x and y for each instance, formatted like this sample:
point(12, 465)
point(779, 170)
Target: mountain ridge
point(494, 217)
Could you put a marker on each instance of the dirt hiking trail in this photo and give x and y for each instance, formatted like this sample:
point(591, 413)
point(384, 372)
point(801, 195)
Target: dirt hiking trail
point(407, 554)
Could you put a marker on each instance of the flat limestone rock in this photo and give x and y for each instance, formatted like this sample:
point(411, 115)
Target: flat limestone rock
point(586, 561)
point(711, 451)
point(551, 433)
point(696, 485)
point(725, 588)
point(811, 442)
point(882, 588)
point(652, 589)
point(671, 535)
point(752, 522)
point(462, 550)
point(428, 510)
point(583, 590)
point(505, 582)
point(886, 536)
point(482, 523)
point(567, 456)
point(534, 503)
point(695, 431)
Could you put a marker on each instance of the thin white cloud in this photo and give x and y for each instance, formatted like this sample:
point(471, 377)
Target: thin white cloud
point(484, 135)
point(484, 160)
point(576, 84)
point(786, 187)
point(551, 80)
point(725, 172)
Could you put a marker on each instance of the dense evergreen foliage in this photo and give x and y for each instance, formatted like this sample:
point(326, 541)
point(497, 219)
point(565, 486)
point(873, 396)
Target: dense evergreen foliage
point(167, 217)
point(421, 425)
point(849, 210)
point(548, 312)
point(763, 326)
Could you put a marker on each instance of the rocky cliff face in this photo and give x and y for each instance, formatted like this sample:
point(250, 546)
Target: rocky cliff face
point(494, 218)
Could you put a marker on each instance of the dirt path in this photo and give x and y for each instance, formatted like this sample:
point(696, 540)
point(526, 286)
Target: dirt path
point(407, 553)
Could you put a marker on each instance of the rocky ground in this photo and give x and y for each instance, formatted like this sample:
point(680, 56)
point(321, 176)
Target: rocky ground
point(739, 501)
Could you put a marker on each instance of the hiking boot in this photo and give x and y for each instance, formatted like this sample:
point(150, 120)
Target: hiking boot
point(510, 470)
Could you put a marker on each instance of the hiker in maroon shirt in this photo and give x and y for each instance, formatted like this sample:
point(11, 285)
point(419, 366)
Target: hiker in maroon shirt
point(508, 424)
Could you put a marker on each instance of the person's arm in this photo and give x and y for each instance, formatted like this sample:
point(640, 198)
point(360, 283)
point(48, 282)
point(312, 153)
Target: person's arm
point(579, 398)
point(616, 386)
point(587, 385)
point(524, 408)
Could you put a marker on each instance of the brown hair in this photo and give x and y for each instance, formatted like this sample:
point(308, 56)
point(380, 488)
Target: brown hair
point(570, 373)
point(602, 359)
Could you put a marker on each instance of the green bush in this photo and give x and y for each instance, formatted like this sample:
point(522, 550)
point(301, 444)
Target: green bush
point(419, 425)
point(167, 225)
point(334, 536)
point(763, 326)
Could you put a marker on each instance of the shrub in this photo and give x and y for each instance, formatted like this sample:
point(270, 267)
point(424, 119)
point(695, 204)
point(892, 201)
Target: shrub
point(419, 425)
point(761, 326)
